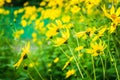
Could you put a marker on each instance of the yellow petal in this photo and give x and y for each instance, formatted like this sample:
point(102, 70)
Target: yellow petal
point(118, 12)
point(18, 63)
point(112, 10)
point(70, 72)
point(78, 48)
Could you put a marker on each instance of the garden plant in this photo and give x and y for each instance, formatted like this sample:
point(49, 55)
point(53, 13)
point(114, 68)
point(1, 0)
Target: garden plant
point(60, 40)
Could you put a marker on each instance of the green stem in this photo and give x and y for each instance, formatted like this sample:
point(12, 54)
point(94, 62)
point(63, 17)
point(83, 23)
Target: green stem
point(113, 59)
point(50, 77)
point(117, 53)
point(93, 68)
point(36, 70)
point(30, 76)
point(82, 59)
point(103, 67)
point(64, 52)
point(76, 62)
point(86, 72)
point(115, 65)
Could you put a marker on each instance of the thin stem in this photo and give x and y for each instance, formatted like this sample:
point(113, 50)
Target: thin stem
point(30, 76)
point(115, 65)
point(86, 72)
point(117, 53)
point(82, 59)
point(50, 77)
point(103, 67)
point(93, 68)
point(64, 52)
point(36, 70)
point(112, 57)
point(76, 62)
point(108, 47)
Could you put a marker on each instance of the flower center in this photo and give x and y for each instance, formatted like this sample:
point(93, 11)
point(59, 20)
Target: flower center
point(113, 16)
point(98, 51)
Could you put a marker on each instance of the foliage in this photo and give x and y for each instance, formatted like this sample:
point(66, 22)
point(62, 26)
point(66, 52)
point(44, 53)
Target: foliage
point(66, 39)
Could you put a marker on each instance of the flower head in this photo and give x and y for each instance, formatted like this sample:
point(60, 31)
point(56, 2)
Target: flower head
point(63, 39)
point(114, 16)
point(96, 48)
point(69, 73)
point(24, 53)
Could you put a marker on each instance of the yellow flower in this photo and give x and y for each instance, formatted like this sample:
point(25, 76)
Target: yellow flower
point(26, 3)
point(8, 1)
point(24, 23)
point(18, 33)
point(25, 52)
point(56, 60)
point(43, 3)
point(51, 13)
point(49, 65)
point(112, 28)
point(67, 63)
point(99, 33)
point(96, 48)
point(2, 3)
point(66, 19)
point(63, 39)
point(31, 64)
point(80, 54)
point(3, 11)
point(114, 16)
point(80, 34)
point(59, 24)
point(39, 43)
point(52, 30)
point(34, 36)
point(75, 9)
point(89, 32)
point(79, 48)
point(70, 73)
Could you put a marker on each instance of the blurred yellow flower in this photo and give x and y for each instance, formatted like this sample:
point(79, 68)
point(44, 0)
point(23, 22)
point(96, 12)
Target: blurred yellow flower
point(3, 11)
point(112, 28)
point(52, 30)
point(79, 48)
point(80, 54)
point(34, 36)
point(59, 24)
point(89, 32)
point(66, 19)
point(56, 60)
point(51, 13)
point(99, 33)
point(63, 39)
point(25, 52)
point(49, 64)
point(80, 34)
point(43, 3)
point(26, 3)
point(24, 23)
point(8, 1)
point(70, 73)
point(31, 65)
point(39, 43)
point(67, 63)
point(18, 33)
point(75, 9)
point(2, 3)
